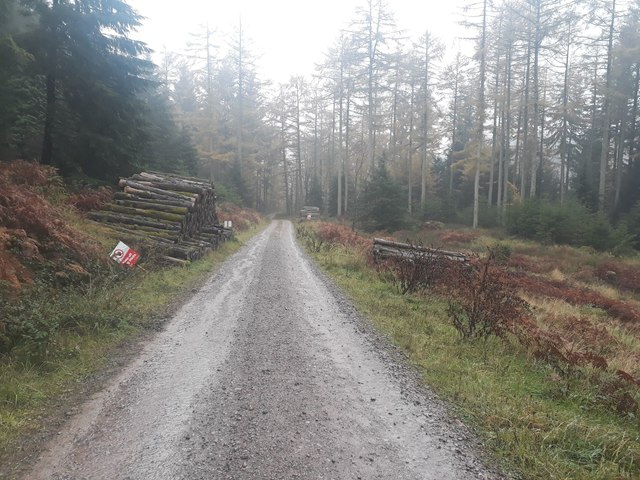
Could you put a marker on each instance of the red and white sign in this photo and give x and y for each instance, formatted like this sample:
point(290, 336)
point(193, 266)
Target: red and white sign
point(125, 255)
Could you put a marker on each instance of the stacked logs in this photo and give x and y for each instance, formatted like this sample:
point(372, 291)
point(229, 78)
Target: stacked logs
point(388, 249)
point(175, 212)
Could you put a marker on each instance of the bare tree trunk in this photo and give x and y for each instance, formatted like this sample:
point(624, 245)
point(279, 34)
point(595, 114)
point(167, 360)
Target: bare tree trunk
point(619, 160)
point(283, 139)
point(634, 116)
point(339, 159)
point(606, 124)
point(481, 106)
point(46, 156)
point(372, 52)
point(347, 153)
point(454, 122)
point(536, 157)
point(565, 112)
point(525, 161)
point(299, 192)
point(410, 154)
point(425, 125)
point(240, 104)
point(394, 119)
point(494, 134)
point(594, 111)
point(507, 131)
point(543, 112)
point(518, 153)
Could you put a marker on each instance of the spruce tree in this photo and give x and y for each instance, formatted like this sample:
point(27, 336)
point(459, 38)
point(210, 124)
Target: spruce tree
point(382, 203)
point(93, 73)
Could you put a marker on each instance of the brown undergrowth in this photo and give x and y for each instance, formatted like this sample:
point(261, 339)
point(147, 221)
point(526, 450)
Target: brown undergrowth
point(515, 297)
point(33, 231)
point(242, 218)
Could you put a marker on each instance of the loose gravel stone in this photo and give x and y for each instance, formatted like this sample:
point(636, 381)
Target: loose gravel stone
point(267, 373)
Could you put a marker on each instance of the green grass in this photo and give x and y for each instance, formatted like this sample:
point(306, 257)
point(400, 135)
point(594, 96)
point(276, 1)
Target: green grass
point(95, 323)
point(540, 425)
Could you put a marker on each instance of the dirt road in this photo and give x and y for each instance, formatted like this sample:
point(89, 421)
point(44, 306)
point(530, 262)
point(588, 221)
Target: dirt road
point(266, 373)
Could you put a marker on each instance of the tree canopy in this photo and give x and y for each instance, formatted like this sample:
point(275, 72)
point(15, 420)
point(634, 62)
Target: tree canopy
point(81, 94)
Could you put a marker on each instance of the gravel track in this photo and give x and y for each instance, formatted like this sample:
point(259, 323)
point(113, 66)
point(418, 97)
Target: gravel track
point(266, 373)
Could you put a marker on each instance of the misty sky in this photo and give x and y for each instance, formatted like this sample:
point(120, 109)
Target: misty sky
point(289, 35)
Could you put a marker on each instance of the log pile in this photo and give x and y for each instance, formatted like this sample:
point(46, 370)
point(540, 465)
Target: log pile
point(310, 213)
point(386, 249)
point(174, 212)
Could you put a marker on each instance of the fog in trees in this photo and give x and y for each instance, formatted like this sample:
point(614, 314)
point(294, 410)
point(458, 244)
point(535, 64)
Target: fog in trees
point(539, 103)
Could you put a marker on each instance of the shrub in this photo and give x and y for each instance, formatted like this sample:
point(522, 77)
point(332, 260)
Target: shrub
point(88, 200)
point(242, 218)
point(526, 263)
point(336, 234)
point(485, 302)
point(307, 234)
point(502, 252)
point(631, 220)
point(576, 296)
point(34, 232)
point(418, 272)
point(458, 236)
point(571, 223)
point(620, 275)
point(318, 235)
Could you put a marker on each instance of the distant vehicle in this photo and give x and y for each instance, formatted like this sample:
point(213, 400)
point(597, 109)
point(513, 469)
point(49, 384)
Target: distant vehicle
point(310, 213)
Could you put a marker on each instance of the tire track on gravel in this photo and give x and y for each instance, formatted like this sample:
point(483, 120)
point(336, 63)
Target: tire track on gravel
point(267, 373)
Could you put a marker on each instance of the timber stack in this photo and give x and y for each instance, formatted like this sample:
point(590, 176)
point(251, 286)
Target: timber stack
point(174, 212)
point(388, 249)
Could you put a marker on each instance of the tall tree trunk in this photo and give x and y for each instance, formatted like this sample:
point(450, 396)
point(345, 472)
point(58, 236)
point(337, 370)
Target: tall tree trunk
point(454, 123)
point(517, 161)
point(239, 127)
point(525, 161)
point(299, 191)
point(543, 112)
point(410, 154)
point(371, 50)
point(536, 157)
point(481, 106)
point(507, 136)
point(394, 119)
point(606, 124)
point(46, 156)
point(619, 160)
point(340, 159)
point(347, 162)
point(283, 140)
point(634, 116)
point(594, 115)
point(565, 113)
point(424, 171)
point(494, 134)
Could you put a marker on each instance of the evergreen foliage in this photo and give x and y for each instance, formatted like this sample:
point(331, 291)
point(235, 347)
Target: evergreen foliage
point(314, 194)
point(382, 203)
point(79, 94)
point(571, 223)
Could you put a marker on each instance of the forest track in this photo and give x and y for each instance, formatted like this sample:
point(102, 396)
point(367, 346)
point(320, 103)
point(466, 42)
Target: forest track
point(266, 373)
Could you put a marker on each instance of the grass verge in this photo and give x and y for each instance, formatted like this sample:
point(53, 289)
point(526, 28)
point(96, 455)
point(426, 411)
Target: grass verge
point(106, 319)
point(536, 422)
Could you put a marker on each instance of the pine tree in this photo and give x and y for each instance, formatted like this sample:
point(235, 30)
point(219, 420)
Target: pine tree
point(382, 203)
point(93, 73)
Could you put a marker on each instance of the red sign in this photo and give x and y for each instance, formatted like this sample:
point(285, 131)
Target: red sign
point(125, 255)
point(130, 258)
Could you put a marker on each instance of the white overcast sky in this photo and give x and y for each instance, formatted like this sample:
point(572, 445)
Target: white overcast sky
point(290, 36)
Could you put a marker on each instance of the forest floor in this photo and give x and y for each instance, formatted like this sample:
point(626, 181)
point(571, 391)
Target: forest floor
point(70, 318)
point(556, 396)
point(267, 372)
